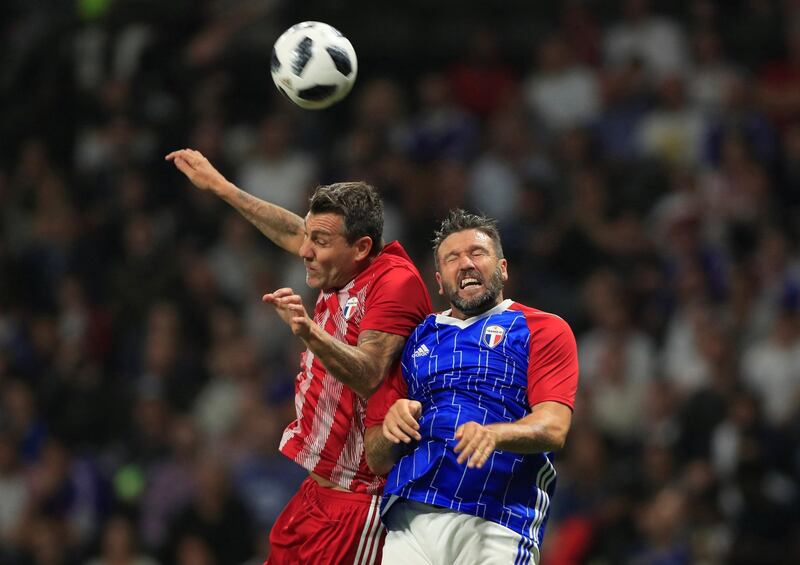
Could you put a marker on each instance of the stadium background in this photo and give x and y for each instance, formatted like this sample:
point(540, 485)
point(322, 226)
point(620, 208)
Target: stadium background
point(644, 165)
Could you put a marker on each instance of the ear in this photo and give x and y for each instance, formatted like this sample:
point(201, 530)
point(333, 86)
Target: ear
point(439, 282)
point(363, 245)
point(504, 269)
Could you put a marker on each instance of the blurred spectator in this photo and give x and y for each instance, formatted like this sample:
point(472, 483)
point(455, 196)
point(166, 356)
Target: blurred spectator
point(624, 105)
point(440, 130)
point(740, 117)
point(69, 491)
point(582, 32)
point(673, 133)
point(662, 525)
point(612, 330)
point(712, 75)
point(49, 543)
point(233, 363)
point(642, 36)
point(779, 80)
point(15, 496)
point(561, 93)
point(771, 368)
point(510, 158)
point(646, 176)
point(737, 193)
point(482, 81)
point(617, 401)
point(262, 478)
point(119, 545)
point(236, 259)
point(23, 421)
point(170, 483)
point(217, 516)
point(276, 171)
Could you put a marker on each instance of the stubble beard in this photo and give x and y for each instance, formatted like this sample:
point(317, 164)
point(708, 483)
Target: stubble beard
point(482, 302)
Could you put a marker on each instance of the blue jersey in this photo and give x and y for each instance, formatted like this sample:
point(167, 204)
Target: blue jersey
point(489, 368)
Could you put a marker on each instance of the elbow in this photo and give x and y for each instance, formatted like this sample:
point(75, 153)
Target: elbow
point(557, 439)
point(554, 435)
point(370, 387)
point(378, 469)
point(557, 443)
point(376, 465)
point(378, 460)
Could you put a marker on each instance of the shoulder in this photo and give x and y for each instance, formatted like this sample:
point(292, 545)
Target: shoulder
point(394, 259)
point(393, 263)
point(426, 328)
point(393, 273)
point(541, 323)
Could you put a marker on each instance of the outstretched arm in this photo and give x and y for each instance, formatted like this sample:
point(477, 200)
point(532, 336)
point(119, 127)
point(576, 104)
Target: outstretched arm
point(286, 229)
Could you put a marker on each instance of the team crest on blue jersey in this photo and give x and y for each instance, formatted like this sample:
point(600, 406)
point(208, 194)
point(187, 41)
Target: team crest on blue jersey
point(493, 335)
point(350, 307)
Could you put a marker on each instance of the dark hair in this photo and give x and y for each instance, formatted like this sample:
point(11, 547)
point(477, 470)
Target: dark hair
point(459, 220)
point(360, 206)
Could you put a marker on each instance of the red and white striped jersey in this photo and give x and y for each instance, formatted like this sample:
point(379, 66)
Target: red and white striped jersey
point(328, 435)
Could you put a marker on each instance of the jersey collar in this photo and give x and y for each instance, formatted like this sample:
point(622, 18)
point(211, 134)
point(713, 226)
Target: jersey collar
point(446, 319)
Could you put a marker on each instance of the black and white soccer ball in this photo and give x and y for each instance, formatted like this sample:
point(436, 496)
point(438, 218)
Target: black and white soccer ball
point(314, 65)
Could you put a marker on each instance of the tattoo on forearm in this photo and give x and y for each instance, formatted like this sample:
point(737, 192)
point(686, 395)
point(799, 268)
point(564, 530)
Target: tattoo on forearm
point(274, 222)
point(381, 453)
point(363, 367)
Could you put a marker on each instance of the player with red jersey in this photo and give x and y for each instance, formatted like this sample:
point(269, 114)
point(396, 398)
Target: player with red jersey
point(371, 298)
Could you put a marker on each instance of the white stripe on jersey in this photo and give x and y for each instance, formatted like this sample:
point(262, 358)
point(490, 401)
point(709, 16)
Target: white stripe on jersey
point(308, 378)
point(350, 458)
point(329, 398)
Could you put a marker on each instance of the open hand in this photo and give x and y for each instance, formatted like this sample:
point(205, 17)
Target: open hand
point(476, 444)
point(400, 422)
point(289, 307)
point(197, 169)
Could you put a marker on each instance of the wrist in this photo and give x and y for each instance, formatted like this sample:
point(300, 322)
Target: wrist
point(315, 336)
point(503, 433)
point(224, 188)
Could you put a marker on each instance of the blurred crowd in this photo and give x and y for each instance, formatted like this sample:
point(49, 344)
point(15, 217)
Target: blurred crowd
point(642, 158)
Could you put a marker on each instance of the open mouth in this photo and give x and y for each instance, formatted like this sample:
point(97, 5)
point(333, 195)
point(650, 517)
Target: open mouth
point(467, 282)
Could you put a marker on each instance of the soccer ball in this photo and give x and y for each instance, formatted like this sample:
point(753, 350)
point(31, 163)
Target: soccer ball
point(313, 65)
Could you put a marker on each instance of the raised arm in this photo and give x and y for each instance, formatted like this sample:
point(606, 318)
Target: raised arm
point(286, 229)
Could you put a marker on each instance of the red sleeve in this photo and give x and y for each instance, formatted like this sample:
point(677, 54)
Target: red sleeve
point(553, 361)
point(393, 388)
point(397, 304)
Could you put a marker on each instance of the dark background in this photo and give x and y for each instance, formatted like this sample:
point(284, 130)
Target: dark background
point(643, 160)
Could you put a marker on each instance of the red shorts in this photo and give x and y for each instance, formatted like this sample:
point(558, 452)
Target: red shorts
point(327, 527)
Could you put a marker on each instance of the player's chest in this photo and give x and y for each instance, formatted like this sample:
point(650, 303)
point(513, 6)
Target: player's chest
point(491, 352)
point(340, 313)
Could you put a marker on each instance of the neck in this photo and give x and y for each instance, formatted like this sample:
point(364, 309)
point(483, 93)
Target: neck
point(456, 313)
point(346, 279)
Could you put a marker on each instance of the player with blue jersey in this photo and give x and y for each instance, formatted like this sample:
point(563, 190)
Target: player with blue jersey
point(466, 433)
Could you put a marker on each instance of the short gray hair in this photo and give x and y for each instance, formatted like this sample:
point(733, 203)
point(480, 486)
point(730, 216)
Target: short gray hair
point(460, 220)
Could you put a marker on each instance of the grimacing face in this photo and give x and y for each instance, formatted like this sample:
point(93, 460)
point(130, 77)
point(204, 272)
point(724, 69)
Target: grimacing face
point(331, 262)
point(470, 274)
